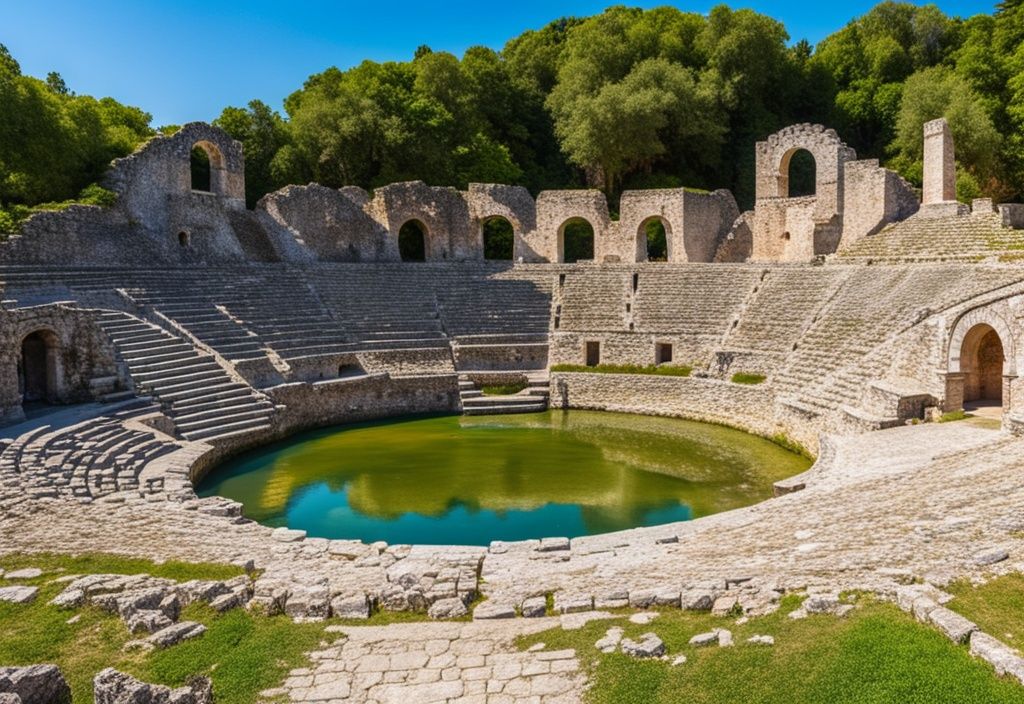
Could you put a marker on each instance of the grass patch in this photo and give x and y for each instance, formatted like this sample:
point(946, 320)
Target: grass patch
point(750, 379)
point(242, 652)
point(996, 606)
point(954, 416)
point(503, 389)
point(876, 655)
point(788, 443)
point(652, 369)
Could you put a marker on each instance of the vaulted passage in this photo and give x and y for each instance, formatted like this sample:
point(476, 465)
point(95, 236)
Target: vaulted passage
point(412, 241)
point(981, 361)
point(37, 368)
point(653, 240)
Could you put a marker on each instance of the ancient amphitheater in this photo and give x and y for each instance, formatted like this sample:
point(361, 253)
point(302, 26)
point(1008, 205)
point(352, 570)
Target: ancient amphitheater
point(191, 328)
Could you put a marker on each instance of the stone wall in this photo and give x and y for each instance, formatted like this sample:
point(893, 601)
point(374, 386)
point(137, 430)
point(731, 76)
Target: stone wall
point(80, 363)
point(443, 212)
point(749, 408)
point(555, 209)
point(157, 219)
point(329, 223)
point(872, 198)
point(370, 397)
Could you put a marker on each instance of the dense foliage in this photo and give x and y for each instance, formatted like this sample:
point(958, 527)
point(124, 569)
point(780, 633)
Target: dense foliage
point(625, 99)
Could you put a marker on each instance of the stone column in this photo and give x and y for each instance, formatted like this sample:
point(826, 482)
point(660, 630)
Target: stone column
point(939, 163)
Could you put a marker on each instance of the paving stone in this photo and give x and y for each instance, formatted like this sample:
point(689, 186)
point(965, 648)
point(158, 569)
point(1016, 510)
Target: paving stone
point(24, 573)
point(957, 628)
point(988, 557)
point(18, 595)
point(489, 610)
point(649, 646)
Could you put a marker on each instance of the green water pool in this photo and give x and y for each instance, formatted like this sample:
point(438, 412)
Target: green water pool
point(471, 480)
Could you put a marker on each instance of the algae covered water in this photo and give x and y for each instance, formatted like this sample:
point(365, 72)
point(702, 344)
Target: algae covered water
point(471, 480)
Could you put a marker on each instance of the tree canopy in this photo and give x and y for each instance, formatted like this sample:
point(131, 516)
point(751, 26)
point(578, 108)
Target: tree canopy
point(628, 98)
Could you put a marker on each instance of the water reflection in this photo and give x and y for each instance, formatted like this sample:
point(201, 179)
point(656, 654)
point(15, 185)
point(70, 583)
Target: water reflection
point(457, 479)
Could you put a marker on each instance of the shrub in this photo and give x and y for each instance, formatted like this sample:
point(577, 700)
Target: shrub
point(503, 389)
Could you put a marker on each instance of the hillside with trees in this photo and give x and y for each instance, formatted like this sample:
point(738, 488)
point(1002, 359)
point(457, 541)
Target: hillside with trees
point(625, 99)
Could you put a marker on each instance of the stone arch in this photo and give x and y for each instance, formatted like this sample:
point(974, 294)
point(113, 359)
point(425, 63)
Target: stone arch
point(497, 238)
point(576, 240)
point(982, 359)
point(644, 250)
point(207, 170)
point(774, 155)
point(39, 367)
point(800, 170)
point(206, 167)
point(968, 322)
point(412, 241)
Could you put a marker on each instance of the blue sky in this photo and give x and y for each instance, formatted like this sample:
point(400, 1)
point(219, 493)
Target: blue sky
point(186, 59)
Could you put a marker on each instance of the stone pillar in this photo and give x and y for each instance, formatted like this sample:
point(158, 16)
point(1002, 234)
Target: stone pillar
point(954, 396)
point(939, 164)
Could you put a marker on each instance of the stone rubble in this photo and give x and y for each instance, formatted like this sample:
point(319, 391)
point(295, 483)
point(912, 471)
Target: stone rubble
point(113, 687)
point(35, 684)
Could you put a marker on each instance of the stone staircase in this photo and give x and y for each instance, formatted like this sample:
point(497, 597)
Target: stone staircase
point(194, 391)
point(532, 399)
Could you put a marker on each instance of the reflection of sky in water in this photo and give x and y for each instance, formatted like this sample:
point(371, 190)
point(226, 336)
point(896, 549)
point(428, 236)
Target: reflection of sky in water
point(453, 479)
point(326, 513)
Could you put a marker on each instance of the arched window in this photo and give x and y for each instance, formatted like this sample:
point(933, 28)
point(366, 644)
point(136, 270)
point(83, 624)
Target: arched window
point(183, 239)
point(412, 241)
point(652, 240)
point(199, 165)
point(981, 361)
point(498, 238)
point(576, 241)
point(800, 172)
point(37, 368)
point(206, 168)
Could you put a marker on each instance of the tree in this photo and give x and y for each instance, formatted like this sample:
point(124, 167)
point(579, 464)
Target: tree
point(938, 92)
point(263, 133)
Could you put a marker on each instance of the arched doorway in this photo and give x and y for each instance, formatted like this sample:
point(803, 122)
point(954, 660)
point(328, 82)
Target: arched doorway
point(799, 173)
point(412, 241)
point(498, 239)
point(981, 362)
point(575, 241)
point(653, 240)
point(37, 368)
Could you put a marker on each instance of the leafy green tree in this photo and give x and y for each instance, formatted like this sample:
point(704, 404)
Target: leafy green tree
point(263, 133)
point(939, 92)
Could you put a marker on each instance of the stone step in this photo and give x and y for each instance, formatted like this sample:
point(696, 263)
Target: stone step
point(228, 430)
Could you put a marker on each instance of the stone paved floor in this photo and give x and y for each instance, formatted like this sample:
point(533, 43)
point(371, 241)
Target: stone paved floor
point(444, 663)
point(922, 499)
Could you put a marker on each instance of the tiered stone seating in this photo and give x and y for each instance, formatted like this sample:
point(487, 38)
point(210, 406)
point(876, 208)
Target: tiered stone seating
point(965, 238)
point(593, 299)
point(383, 307)
point(503, 303)
point(694, 299)
point(197, 394)
point(785, 305)
point(830, 366)
point(88, 460)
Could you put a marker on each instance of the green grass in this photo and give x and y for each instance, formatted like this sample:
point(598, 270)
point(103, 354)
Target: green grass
point(503, 389)
point(954, 416)
point(784, 441)
point(996, 606)
point(876, 655)
point(242, 652)
point(750, 379)
point(653, 369)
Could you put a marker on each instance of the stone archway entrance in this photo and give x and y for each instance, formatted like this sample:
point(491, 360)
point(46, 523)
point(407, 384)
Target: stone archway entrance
point(982, 360)
point(37, 368)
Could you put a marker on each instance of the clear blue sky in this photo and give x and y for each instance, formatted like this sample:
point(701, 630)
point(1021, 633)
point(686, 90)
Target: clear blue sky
point(184, 60)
